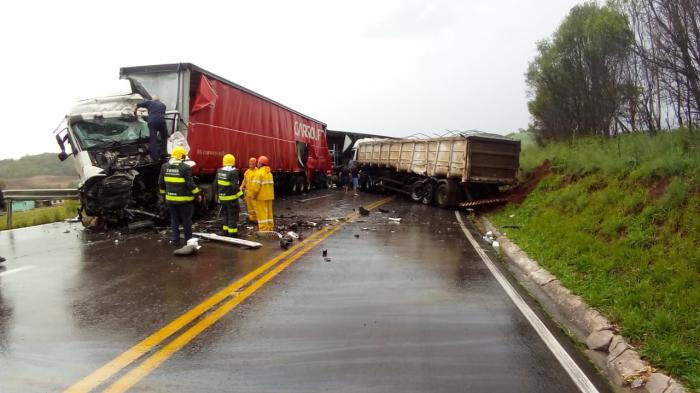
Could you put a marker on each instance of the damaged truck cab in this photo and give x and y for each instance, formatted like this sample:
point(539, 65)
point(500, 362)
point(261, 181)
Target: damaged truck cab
point(118, 177)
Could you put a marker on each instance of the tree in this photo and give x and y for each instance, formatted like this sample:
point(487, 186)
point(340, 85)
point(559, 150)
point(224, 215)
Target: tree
point(579, 81)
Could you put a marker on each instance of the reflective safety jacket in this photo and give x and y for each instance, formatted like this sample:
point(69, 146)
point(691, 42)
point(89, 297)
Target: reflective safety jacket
point(248, 177)
point(227, 184)
point(176, 182)
point(262, 188)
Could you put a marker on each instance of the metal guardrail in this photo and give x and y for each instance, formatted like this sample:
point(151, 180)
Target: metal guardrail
point(54, 194)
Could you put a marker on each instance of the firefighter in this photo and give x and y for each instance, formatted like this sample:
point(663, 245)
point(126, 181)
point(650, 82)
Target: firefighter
point(229, 192)
point(248, 177)
point(179, 189)
point(262, 189)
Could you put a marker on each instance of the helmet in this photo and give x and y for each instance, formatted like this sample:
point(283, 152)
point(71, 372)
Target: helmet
point(179, 152)
point(229, 160)
point(263, 160)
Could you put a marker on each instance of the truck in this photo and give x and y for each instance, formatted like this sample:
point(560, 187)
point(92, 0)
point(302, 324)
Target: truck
point(465, 169)
point(208, 115)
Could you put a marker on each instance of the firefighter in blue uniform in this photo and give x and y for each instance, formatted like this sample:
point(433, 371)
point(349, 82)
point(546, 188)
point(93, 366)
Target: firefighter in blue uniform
point(178, 187)
point(229, 193)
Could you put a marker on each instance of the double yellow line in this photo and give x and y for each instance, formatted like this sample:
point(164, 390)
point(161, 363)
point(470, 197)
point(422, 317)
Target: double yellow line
point(230, 296)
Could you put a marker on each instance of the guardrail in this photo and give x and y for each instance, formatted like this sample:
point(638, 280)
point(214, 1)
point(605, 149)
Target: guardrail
point(54, 194)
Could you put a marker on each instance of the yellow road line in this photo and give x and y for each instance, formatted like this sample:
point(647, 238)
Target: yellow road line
point(155, 360)
point(117, 364)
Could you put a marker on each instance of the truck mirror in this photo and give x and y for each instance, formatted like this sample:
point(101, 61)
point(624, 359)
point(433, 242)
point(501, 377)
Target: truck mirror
point(62, 156)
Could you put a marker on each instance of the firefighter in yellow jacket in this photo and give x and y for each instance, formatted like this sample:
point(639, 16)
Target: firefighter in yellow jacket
point(248, 177)
point(262, 189)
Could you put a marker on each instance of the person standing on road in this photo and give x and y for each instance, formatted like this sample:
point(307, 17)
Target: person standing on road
point(345, 177)
point(262, 189)
point(156, 126)
point(178, 187)
point(248, 177)
point(355, 174)
point(229, 192)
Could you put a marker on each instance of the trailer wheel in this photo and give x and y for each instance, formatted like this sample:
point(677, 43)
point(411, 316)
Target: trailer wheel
point(417, 191)
point(298, 184)
point(447, 195)
point(429, 193)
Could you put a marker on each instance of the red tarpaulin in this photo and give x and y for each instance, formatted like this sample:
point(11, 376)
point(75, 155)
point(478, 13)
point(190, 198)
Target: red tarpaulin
point(248, 126)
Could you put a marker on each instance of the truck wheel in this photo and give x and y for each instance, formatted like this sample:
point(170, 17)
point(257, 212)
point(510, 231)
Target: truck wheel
point(429, 194)
point(299, 184)
point(447, 195)
point(417, 191)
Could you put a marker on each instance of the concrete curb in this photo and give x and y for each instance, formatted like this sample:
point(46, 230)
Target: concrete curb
point(625, 368)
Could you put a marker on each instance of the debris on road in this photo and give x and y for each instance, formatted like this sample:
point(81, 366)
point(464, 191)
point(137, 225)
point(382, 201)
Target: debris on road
point(293, 235)
point(357, 236)
point(140, 225)
point(286, 241)
point(327, 259)
point(324, 253)
point(395, 219)
point(2, 259)
point(383, 210)
point(363, 211)
point(230, 240)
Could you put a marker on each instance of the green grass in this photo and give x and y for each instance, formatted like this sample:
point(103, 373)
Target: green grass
point(631, 252)
point(42, 215)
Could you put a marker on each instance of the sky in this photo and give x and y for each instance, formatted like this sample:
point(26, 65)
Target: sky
point(386, 67)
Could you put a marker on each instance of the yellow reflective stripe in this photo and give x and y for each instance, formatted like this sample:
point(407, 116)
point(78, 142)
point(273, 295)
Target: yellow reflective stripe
point(172, 179)
point(225, 197)
point(178, 198)
point(225, 227)
point(268, 182)
point(263, 221)
point(223, 182)
point(233, 230)
point(196, 190)
point(162, 191)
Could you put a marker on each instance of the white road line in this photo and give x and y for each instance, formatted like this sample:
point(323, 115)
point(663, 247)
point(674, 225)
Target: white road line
point(13, 271)
point(311, 199)
point(577, 375)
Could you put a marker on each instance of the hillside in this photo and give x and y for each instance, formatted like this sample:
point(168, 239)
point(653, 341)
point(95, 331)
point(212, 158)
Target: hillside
point(618, 221)
point(38, 171)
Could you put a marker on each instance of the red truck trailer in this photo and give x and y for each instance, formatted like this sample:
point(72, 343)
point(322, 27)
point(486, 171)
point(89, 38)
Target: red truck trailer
point(222, 117)
point(209, 115)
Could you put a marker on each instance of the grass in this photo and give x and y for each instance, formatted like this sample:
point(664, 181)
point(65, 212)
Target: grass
point(42, 215)
point(618, 221)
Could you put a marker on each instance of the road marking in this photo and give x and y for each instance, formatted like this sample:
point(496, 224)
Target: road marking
point(311, 199)
point(17, 270)
point(577, 375)
point(117, 364)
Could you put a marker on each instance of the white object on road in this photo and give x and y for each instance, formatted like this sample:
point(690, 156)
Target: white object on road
point(496, 244)
point(13, 271)
point(577, 375)
point(230, 240)
point(293, 235)
point(395, 219)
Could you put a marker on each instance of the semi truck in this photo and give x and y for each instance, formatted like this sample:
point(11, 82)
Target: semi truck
point(208, 115)
point(465, 169)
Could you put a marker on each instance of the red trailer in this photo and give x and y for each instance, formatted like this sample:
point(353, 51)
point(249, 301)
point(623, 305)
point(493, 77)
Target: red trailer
point(223, 117)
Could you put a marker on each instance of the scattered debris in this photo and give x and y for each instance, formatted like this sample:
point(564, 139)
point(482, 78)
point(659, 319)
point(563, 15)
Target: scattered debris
point(490, 238)
point(286, 241)
point(495, 244)
point(327, 259)
point(357, 236)
point(324, 253)
point(140, 225)
point(269, 234)
point(230, 240)
point(383, 210)
point(365, 229)
point(395, 219)
point(363, 211)
point(293, 235)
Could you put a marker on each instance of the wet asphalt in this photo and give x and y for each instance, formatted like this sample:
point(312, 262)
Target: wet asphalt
point(406, 307)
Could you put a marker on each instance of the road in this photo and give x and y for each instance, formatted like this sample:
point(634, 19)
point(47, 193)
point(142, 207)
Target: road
point(396, 307)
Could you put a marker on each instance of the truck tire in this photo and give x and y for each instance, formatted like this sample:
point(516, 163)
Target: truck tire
point(299, 184)
point(448, 195)
point(417, 191)
point(429, 194)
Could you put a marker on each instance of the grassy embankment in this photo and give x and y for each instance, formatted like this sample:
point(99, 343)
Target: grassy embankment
point(618, 221)
point(41, 215)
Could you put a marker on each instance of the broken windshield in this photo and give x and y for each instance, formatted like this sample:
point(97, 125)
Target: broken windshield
point(98, 132)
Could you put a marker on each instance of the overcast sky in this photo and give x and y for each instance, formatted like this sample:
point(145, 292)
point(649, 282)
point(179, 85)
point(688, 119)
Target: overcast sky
point(386, 67)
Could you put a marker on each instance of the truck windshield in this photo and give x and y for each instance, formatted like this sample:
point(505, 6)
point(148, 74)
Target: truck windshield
point(98, 132)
